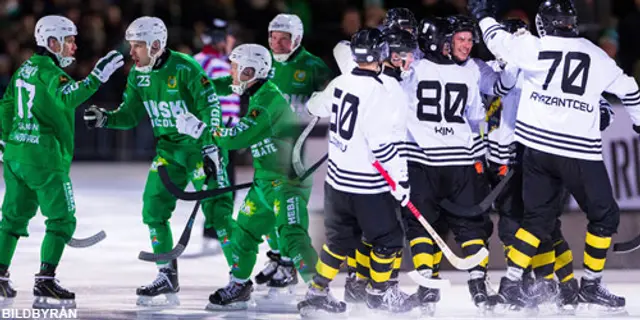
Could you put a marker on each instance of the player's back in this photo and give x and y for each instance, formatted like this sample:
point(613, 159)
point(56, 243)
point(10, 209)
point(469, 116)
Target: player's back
point(398, 111)
point(42, 127)
point(563, 82)
point(442, 98)
point(359, 105)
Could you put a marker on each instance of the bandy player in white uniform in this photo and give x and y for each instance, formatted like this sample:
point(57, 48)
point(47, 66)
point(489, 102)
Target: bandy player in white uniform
point(555, 256)
point(558, 121)
point(442, 144)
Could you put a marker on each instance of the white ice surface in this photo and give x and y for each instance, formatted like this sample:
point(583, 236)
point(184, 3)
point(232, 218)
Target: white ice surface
point(105, 276)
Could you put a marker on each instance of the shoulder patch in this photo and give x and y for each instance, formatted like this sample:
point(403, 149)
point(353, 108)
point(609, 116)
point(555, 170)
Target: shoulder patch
point(254, 113)
point(63, 79)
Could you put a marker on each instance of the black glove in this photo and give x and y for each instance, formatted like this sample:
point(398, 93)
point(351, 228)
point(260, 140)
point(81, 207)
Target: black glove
point(636, 129)
point(481, 9)
point(211, 160)
point(606, 117)
point(95, 117)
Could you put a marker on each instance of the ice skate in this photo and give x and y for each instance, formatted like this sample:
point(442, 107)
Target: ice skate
point(480, 294)
point(235, 296)
point(512, 298)
point(594, 298)
point(269, 270)
point(50, 295)
point(7, 292)
point(166, 283)
point(391, 299)
point(543, 293)
point(568, 296)
point(426, 299)
point(320, 303)
point(283, 283)
point(354, 290)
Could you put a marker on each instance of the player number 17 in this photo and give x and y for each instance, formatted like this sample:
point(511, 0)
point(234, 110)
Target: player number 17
point(31, 93)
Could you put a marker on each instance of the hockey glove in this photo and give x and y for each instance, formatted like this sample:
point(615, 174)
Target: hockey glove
point(95, 117)
point(401, 193)
point(636, 129)
point(107, 65)
point(481, 9)
point(2, 144)
point(211, 160)
point(606, 117)
point(187, 123)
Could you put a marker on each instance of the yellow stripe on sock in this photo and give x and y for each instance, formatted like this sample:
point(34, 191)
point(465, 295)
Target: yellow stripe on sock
point(472, 242)
point(527, 237)
point(593, 263)
point(363, 260)
point(437, 258)
point(351, 262)
point(543, 259)
point(562, 260)
point(339, 257)
point(380, 276)
point(420, 240)
point(598, 242)
point(381, 260)
point(567, 278)
point(519, 258)
point(326, 270)
point(423, 259)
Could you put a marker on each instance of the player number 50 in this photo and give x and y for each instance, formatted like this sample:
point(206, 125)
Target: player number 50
point(343, 118)
point(31, 93)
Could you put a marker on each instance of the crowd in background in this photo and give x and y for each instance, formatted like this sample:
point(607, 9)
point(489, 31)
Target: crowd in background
point(102, 23)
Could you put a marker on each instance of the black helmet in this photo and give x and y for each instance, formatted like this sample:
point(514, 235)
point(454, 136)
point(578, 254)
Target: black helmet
point(399, 40)
point(513, 24)
point(400, 18)
point(367, 45)
point(557, 18)
point(431, 34)
point(216, 32)
point(459, 23)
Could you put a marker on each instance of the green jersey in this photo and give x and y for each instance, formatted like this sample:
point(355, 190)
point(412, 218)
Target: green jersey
point(38, 110)
point(176, 86)
point(269, 128)
point(298, 77)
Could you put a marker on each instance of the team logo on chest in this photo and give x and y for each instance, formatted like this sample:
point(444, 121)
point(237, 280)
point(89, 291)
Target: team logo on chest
point(300, 75)
point(172, 83)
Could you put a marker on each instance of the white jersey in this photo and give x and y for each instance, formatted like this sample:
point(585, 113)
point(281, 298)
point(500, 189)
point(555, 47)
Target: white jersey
point(446, 110)
point(359, 132)
point(563, 79)
point(502, 138)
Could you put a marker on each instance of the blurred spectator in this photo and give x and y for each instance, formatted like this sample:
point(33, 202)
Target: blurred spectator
point(609, 43)
point(374, 15)
point(351, 23)
point(630, 39)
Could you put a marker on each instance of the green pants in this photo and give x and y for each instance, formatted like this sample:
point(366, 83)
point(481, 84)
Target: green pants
point(27, 188)
point(269, 204)
point(184, 165)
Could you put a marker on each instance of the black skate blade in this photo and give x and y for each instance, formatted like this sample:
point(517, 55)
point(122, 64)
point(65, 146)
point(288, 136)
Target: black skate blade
point(53, 303)
point(234, 306)
point(311, 312)
point(590, 309)
point(275, 302)
point(160, 301)
point(6, 302)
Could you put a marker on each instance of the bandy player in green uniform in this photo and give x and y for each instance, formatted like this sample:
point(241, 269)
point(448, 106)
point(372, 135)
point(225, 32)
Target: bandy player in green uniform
point(298, 74)
point(164, 84)
point(277, 199)
point(38, 110)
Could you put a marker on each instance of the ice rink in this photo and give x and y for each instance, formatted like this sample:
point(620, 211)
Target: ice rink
point(105, 276)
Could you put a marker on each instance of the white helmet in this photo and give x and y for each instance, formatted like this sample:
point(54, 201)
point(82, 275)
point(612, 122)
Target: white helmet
point(250, 56)
point(57, 27)
point(289, 23)
point(149, 30)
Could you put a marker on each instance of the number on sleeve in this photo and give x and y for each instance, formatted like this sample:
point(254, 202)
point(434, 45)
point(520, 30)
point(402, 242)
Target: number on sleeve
point(31, 93)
